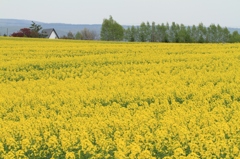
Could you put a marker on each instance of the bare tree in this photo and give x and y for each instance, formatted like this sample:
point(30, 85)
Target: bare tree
point(70, 35)
point(88, 35)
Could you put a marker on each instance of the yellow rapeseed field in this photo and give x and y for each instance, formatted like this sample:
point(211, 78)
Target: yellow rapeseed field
point(80, 99)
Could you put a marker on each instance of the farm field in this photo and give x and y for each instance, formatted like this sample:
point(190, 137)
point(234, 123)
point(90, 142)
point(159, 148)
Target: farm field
point(79, 99)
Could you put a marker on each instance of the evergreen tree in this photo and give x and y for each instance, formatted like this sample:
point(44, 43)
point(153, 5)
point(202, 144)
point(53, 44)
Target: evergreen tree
point(35, 28)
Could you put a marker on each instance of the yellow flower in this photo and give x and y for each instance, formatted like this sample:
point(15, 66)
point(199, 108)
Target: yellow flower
point(92, 99)
point(70, 155)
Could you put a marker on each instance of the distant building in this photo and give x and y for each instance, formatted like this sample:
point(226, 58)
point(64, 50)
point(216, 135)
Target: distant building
point(50, 33)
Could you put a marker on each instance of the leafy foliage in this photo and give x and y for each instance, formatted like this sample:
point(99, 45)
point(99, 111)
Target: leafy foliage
point(32, 31)
point(111, 30)
point(24, 32)
point(180, 34)
point(35, 28)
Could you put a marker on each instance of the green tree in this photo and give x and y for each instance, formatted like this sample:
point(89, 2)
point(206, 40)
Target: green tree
point(35, 28)
point(212, 33)
point(145, 32)
point(173, 32)
point(153, 33)
point(158, 33)
point(111, 30)
point(166, 37)
point(131, 34)
point(179, 33)
point(149, 32)
point(194, 34)
point(235, 37)
point(182, 34)
point(188, 37)
point(226, 35)
point(202, 33)
point(127, 34)
point(78, 36)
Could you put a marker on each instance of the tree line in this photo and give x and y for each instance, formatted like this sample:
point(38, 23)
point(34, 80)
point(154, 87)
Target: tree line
point(175, 33)
point(84, 34)
point(146, 32)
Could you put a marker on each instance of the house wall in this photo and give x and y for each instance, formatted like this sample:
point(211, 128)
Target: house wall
point(53, 35)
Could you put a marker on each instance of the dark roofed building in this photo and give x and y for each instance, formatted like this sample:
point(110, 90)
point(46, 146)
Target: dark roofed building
point(50, 33)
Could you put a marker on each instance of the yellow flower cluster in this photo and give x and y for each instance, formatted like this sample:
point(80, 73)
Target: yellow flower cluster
point(79, 99)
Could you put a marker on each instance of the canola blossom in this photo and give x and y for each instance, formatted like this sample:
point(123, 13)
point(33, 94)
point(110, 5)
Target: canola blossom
point(81, 99)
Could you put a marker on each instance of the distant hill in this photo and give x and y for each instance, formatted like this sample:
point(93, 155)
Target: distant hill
point(234, 29)
point(8, 26)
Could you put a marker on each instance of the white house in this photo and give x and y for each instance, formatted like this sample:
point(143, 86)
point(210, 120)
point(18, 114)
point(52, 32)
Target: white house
point(50, 33)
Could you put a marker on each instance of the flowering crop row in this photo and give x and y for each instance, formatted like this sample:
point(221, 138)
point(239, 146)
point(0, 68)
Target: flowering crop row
point(71, 99)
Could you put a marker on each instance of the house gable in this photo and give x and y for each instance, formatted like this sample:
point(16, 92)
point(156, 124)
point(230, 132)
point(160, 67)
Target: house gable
point(53, 35)
point(50, 33)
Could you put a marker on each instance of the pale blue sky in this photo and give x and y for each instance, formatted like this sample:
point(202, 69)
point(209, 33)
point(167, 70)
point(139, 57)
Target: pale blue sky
point(125, 12)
